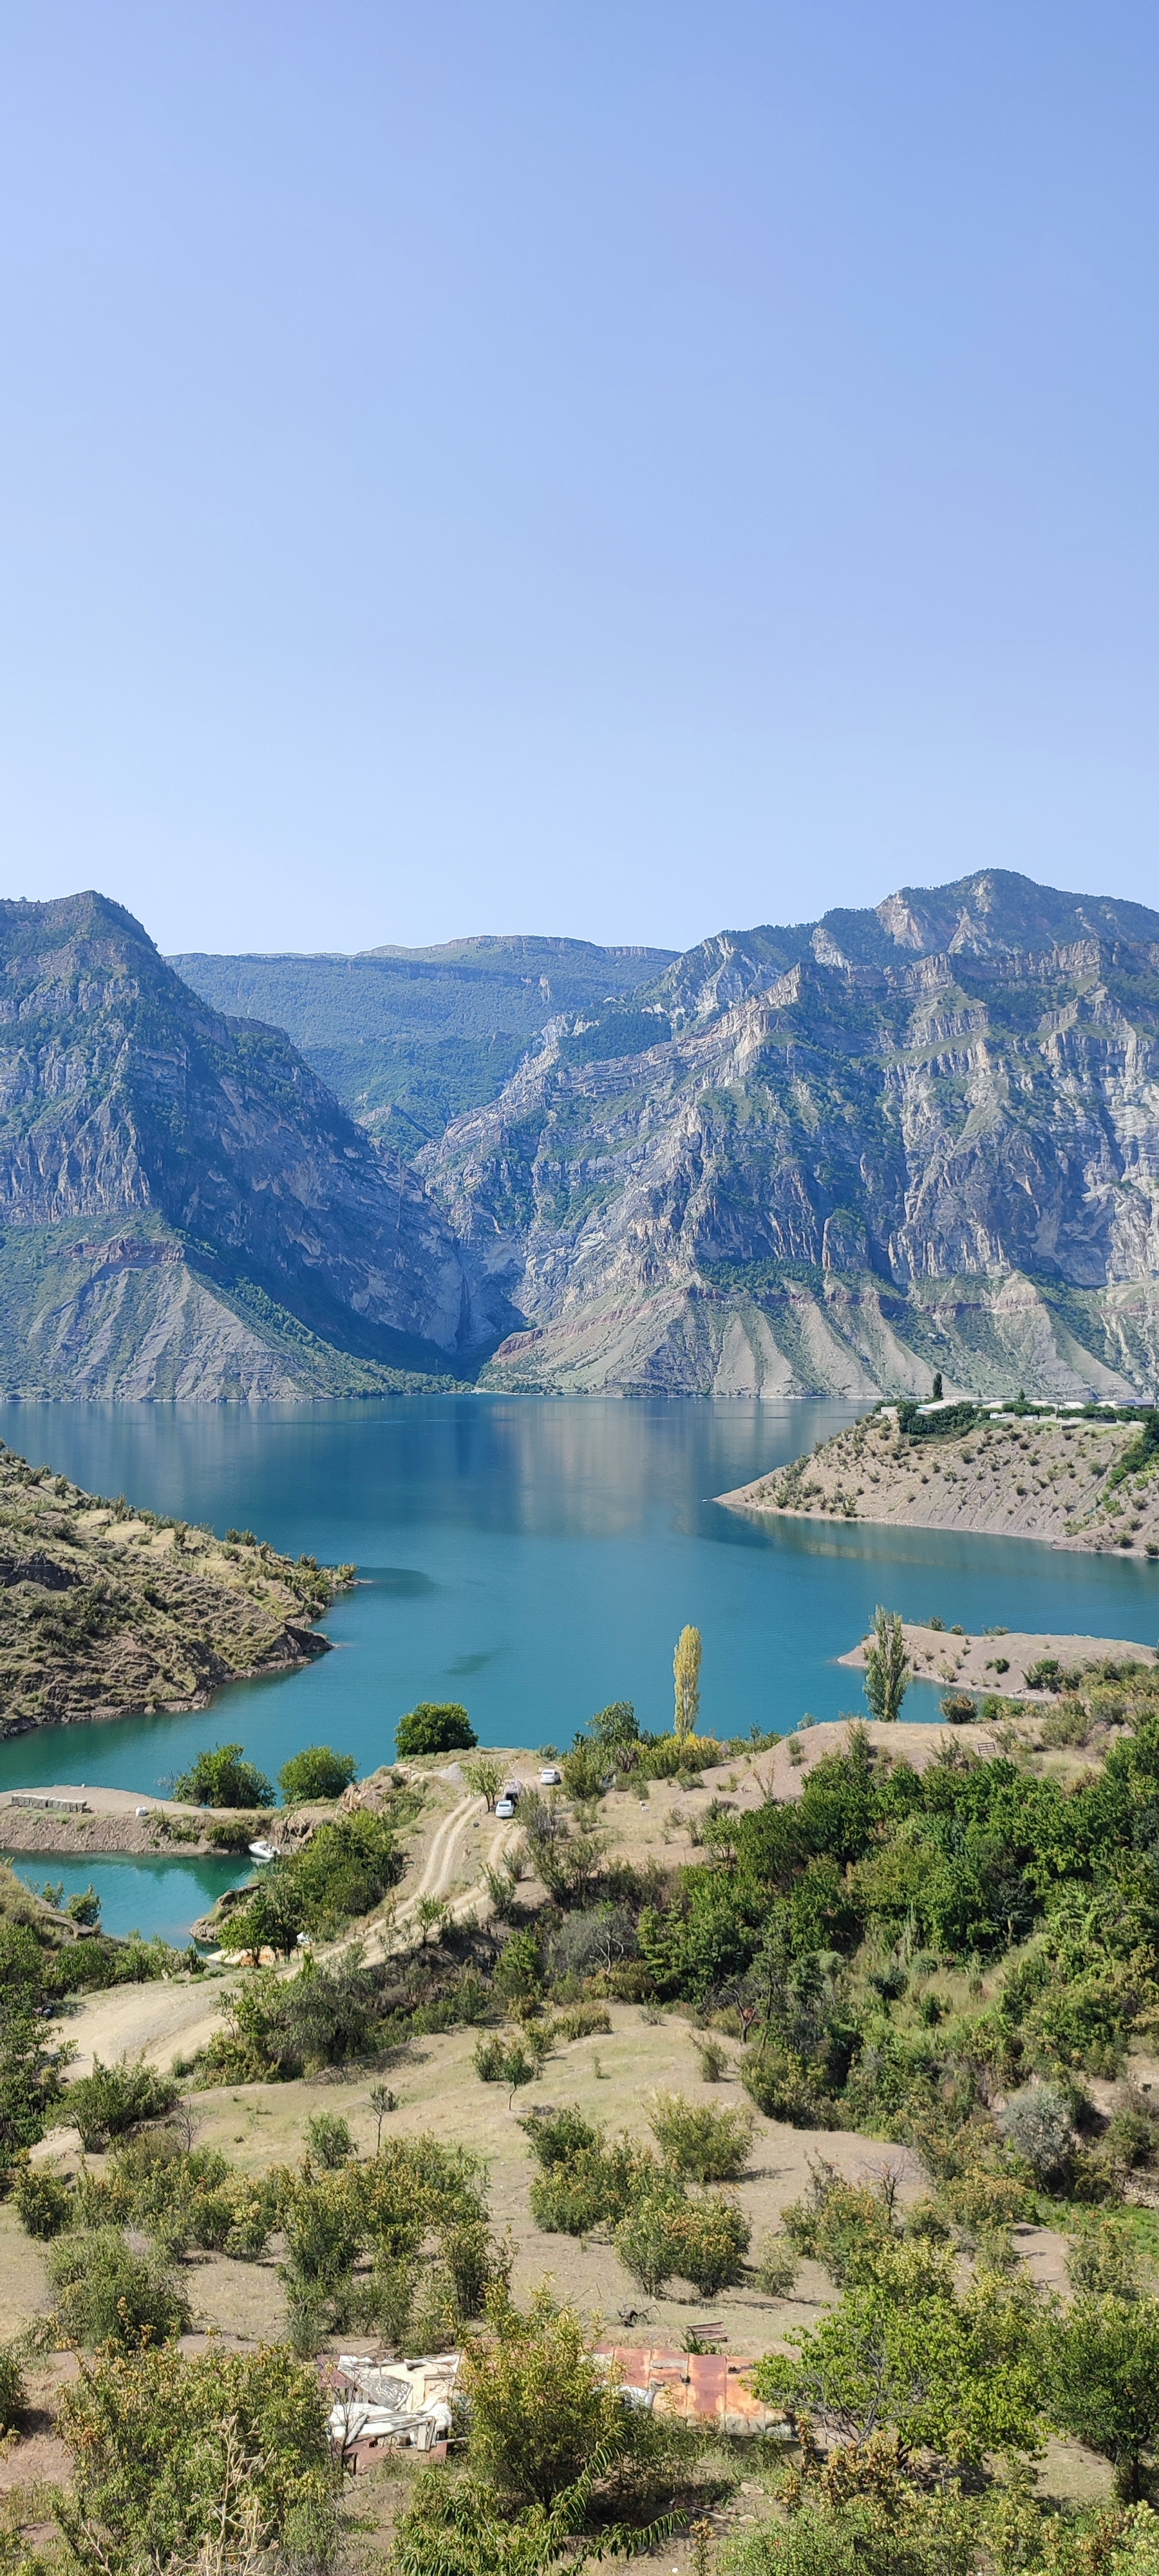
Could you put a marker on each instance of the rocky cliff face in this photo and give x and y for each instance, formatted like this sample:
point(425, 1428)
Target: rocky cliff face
point(838, 1157)
point(183, 1208)
point(825, 1159)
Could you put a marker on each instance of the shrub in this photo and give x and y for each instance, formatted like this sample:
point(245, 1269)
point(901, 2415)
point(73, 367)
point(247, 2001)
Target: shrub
point(1101, 2262)
point(223, 1778)
point(713, 2059)
point(540, 2406)
point(584, 2183)
point(229, 2449)
point(504, 2061)
point(114, 2099)
point(1037, 2124)
point(699, 2241)
point(583, 1769)
point(777, 2268)
point(594, 1940)
point(846, 2226)
point(558, 2137)
point(519, 1968)
point(1103, 2380)
point(316, 1773)
point(328, 2141)
point(108, 2296)
point(12, 2396)
point(44, 2203)
point(707, 2146)
point(435, 1726)
point(959, 1709)
point(583, 2021)
point(782, 2086)
point(477, 2268)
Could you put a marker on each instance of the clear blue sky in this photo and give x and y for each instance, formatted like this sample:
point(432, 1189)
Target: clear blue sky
point(607, 466)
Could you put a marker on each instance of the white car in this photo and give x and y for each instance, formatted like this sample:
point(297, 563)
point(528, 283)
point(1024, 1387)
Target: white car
point(505, 1809)
point(549, 1777)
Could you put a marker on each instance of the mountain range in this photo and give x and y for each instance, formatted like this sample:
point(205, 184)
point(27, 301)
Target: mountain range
point(833, 1157)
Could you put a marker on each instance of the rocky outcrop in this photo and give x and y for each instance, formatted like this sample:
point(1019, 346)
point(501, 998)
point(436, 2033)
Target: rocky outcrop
point(854, 1153)
point(184, 1209)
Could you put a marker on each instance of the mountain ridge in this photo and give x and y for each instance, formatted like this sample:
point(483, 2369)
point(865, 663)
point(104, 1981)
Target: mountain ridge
point(830, 1157)
point(266, 1245)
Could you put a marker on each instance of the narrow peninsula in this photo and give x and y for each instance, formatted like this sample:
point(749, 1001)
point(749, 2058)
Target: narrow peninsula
point(1085, 1479)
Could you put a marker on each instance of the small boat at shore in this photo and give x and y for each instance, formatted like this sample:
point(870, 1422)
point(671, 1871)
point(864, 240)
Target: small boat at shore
point(262, 1851)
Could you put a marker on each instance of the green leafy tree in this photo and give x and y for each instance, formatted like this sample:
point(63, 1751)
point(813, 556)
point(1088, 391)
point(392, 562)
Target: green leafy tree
point(223, 1778)
point(615, 1726)
point(271, 1917)
point(1102, 2357)
point(957, 2376)
point(169, 2455)
point(686, 1675)
point(435, 1726)
point(887, 1670)
point(539, 2404)
point(315, 1773)
point(484, 1777)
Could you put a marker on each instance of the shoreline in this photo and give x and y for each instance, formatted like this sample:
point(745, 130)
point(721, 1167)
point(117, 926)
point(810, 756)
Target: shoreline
point(1069, 1485)
point(112, 1828)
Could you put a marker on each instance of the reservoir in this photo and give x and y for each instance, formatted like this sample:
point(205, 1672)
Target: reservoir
point(534, 1558)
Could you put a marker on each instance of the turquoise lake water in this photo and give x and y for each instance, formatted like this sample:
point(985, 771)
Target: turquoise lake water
point(533, 1557)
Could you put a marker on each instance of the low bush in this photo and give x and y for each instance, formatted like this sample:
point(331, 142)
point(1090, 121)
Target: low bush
point(478, 2269)
point(328, 2141)
point(702, 2241)
point(704, 2145)
point(846, 2226)
point(585, 1768)
point(505, 2061)
point(115, 2099)
point(1037, 2124)
point(583, 2183)
point(12, 2390)
point(109, 2297)
point(777, 2268)
point(44, 2204)
point(959, 1709)
point(713, 2059)
point(218, 2462)
point(783, 2087)
point(1102, 2263)
point(582, 2021)
point(539, 2405)
point(181, 2197)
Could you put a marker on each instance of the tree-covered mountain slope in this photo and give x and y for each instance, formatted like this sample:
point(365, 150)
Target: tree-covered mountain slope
point(186, 1210)
point(837, 1158)
point(408, 1038)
